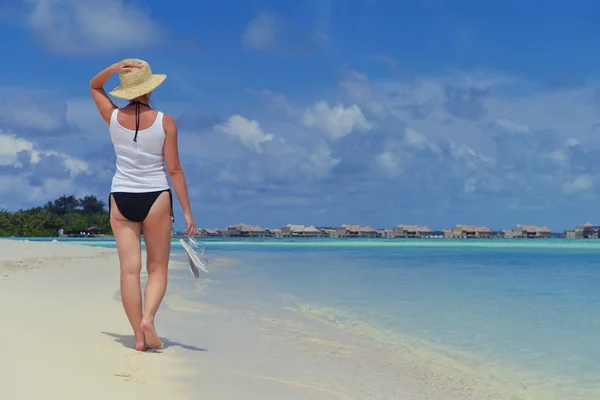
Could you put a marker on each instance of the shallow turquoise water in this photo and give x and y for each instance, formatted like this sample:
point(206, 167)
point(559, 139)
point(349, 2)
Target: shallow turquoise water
point(520, 310)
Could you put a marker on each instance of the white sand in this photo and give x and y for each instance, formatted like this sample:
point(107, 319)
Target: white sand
point(63, 332)
point(59, 329)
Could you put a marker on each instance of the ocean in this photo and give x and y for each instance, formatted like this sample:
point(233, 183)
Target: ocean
point(519, 313)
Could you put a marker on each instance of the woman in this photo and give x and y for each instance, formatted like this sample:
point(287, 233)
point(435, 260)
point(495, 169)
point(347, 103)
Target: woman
point(140, 200)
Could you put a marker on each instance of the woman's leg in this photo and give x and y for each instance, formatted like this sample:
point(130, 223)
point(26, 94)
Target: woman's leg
point(157, 235)
point(127, 235)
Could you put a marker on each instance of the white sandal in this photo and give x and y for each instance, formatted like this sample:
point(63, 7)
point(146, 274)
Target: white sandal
point(196, 261)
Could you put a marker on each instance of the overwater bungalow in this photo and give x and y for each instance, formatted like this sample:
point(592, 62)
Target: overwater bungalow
point(357, 231)
point(244, 230)
point(273, 232)
point(291, 230)
point(367, 231)
point(468, 231)
point(330, 232)
point(387, 233)
point(411, 231)
point(202, 232)
point(348, 230)
point(584, 231)
point(527, 231)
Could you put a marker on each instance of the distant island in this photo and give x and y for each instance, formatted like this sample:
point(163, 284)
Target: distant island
point(67, 215)
point(87, 217)
point(586, 230)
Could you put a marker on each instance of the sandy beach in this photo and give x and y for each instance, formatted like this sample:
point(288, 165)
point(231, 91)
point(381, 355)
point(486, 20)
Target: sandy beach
point(63, 331)
point(66, 337)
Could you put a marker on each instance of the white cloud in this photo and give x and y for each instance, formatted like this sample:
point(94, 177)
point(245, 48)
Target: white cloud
point(82, 112)
point(17, 187)
point(33, 111)
point(335, 121)
point(582, 183)
point(225, 175)
point(273, 32)
point(417, 140)
point(559, 157)
point(321, 161)
point(280, 102)
point(92, 26)
point(249, 133)
point(388, 163)
point(507, 152)
point(260, 33)
point(571, 142)
point(524, 150)
point(470, 185)
point(512, 126)
point(36, 174)
point(75, 166)
point(31, 117)
point(465, 152)
point(357, 87)
point(11, 146)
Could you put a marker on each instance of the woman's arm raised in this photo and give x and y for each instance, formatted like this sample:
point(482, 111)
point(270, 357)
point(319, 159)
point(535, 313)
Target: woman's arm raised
point(103, 102)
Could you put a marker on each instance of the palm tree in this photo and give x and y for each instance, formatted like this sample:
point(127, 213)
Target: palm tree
point(64, 204)
point(67, 212)
point(91, 205)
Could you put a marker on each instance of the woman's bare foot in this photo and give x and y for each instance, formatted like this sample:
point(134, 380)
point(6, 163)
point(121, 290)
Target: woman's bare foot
point(152, 339)
point(141, 346)
point(140, 341)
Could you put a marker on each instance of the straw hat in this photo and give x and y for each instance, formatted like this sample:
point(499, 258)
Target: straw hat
point(137, 82)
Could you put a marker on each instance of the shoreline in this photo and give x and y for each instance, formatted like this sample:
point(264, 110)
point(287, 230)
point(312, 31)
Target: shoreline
point(384, 238)
point(276, 353)
point(230, 242)
point(72, 291)
point(220, 343)
point(460, 370)
point(286, 353)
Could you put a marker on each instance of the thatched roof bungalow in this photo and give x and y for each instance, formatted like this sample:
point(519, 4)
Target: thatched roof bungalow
point(411, 231)
point(358, 231)
point(302, 231)
point(203, 232)
point(468, 231)
point(244, 230)
point(527, 231)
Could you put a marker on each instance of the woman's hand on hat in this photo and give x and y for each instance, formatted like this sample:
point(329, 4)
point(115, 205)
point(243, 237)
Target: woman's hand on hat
point(129, 64)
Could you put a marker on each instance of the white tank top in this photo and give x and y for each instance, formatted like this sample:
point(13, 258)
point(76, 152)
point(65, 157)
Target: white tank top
point(140, 165)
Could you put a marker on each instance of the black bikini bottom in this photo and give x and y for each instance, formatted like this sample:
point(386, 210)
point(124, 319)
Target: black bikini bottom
point(136, 206)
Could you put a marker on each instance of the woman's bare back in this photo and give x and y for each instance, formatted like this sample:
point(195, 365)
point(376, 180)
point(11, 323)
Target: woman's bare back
point(126, 117)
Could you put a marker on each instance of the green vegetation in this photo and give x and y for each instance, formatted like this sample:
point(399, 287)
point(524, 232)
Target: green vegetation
point(69, 213)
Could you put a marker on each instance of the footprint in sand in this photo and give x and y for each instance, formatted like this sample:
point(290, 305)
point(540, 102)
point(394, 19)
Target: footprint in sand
point(129, 378)
point(126, 377)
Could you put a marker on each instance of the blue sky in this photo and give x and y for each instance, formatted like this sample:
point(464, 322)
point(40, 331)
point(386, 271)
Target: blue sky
point(323, 111)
